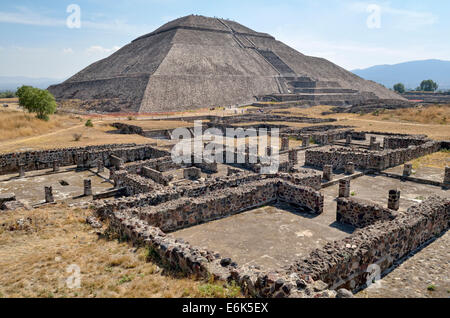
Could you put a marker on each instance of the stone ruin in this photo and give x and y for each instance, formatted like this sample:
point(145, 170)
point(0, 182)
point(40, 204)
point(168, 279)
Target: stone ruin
point(158, 196)
point(245, 67)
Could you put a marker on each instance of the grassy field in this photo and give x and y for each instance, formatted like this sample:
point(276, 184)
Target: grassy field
point(34, 259)
point(22, 131)
point(17, 124)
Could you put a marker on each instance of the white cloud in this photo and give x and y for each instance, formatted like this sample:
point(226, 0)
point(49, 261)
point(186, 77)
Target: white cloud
point(98, 49)
point(26, 16)
point(68, 51)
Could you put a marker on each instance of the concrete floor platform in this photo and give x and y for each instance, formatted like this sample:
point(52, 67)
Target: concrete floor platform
point(269, 237)
point(30, 189)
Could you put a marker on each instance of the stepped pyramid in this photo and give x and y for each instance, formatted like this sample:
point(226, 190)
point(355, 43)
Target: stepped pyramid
point(197, 62)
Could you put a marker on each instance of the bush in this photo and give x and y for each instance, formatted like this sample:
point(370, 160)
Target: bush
point(89, 123)
point(38, 101)
point(77, 137)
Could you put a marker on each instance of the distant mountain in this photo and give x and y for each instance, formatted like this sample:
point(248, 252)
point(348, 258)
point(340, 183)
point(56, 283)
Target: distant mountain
point(411, 74)
point(13, 82)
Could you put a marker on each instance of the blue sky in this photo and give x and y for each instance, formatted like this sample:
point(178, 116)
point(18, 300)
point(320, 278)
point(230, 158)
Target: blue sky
point(36, 42)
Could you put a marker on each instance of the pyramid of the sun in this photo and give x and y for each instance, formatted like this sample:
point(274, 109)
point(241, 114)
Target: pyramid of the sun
point(197, 62)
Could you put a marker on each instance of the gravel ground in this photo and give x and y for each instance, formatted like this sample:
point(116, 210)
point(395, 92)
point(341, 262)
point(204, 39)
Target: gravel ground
point(424, 275)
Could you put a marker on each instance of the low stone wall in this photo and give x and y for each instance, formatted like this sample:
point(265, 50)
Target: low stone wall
point(185, 212)
point(203, 263)
point(43, 159)
point(175, 253)
point(83, 157)
point(161, 164)
point(156, 176)
point(396, 142)
point(144, 192)
point(300, 196)
point(361, 213)
point(338, 157)
point(346, 263)
point(329, 137)
point(135, 184)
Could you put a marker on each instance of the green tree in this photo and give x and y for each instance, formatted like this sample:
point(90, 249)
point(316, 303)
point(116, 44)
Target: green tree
point(428, 86)
point(37, 101)
point(399, 88)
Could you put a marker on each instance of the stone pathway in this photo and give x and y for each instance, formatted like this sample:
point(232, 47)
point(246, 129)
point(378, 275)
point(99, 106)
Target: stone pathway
point(428, 269)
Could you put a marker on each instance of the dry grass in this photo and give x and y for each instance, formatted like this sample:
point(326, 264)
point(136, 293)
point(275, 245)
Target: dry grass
point(19, 124)
point(436, 115)
point(34, 260)
point(64, 137)
point(438, 160)
point(9, 100)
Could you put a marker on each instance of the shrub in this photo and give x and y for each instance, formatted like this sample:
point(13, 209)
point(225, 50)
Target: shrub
point(77, 137)
point(89, 123)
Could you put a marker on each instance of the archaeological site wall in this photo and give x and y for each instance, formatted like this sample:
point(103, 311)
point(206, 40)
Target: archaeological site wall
point(338, 157)
point(360, 213)
point(345, 263)
point(83, 157)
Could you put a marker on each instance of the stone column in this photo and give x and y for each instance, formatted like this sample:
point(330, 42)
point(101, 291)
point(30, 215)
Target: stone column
point(55, 166)
point(293, 157)
point(111, 173)
point(349, 168)
point(348, 140)
point(100, 166)
point(247, 153)
point(192, 173)
point(328, 172)
point(407, 170)
point(305, 141)
point(80, 163)
point(21, 171)
point(344, 188)
point(447, 177)
point(49, 195)
point(87, 187)
point(375, 146)
point(331, 139)
point(284, 143)
point(394, 200)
